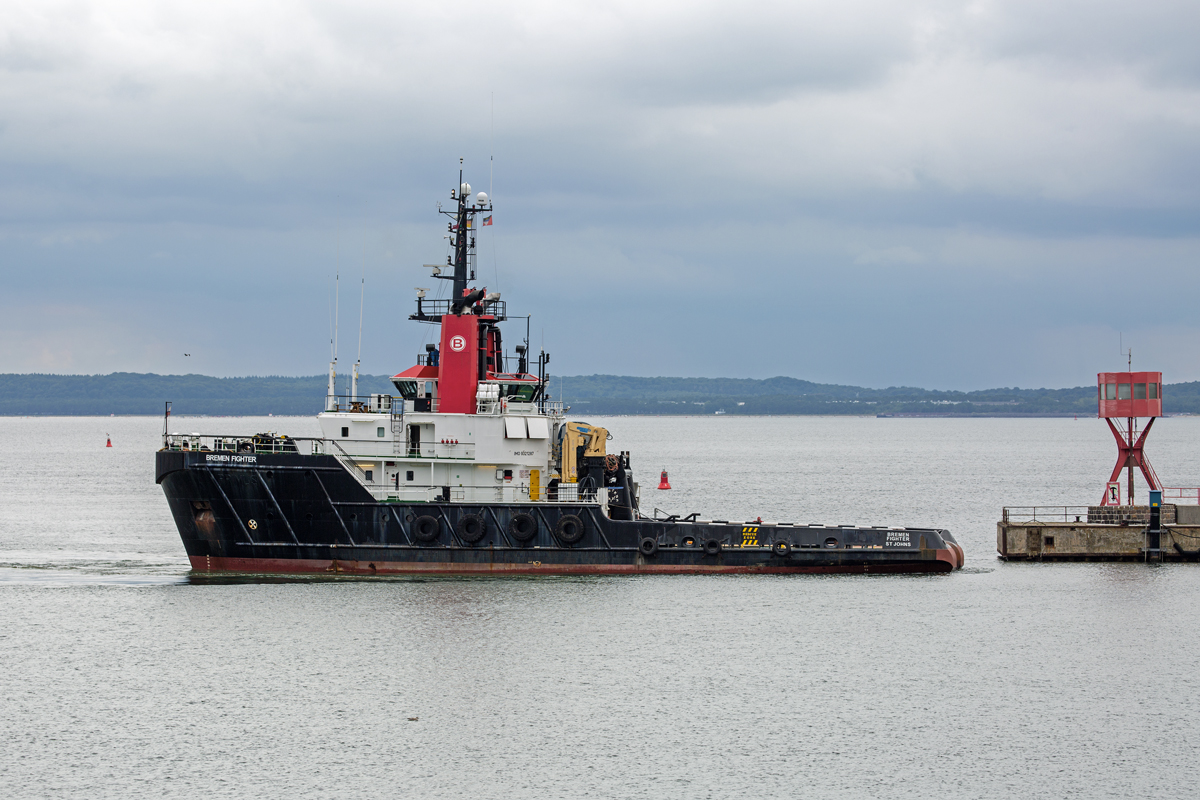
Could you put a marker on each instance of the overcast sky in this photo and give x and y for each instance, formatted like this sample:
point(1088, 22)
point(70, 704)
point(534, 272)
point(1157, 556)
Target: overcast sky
point(939, 194)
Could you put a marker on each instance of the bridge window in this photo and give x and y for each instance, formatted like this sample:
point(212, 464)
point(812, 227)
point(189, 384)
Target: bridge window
point(521, 392)
point(407, 389)
point(1122, 391)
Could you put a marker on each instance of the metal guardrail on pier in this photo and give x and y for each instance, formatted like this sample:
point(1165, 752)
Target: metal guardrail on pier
point(1045, 514)
point(1181, 495)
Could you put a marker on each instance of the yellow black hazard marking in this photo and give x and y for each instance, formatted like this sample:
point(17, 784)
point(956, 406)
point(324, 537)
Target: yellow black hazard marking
point(750, 536)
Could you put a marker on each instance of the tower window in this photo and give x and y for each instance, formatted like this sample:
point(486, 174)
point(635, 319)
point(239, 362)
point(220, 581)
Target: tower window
point(379, 432)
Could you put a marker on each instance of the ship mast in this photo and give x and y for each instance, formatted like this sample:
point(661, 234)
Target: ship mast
point(462, 262)
point(464, 242)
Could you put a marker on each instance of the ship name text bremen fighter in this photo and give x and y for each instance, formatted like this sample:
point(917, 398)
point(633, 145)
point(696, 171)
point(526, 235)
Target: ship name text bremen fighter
point(472, 468)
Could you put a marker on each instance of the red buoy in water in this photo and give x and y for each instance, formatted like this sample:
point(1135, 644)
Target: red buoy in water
point(662, 483)
point(109, 444)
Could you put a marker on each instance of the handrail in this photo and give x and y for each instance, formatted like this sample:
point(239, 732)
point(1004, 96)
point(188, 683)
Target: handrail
point(346, 461)
point(1044, 513)
point(1095, 515)
point(1181, 493)
point(363, 404)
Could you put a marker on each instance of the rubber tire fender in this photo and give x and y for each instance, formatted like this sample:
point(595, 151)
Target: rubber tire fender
point(781, 548)
point(712, 547)
point(569, 529)
point(522, 527)
point(426, 528)
point(648, 546)
point(471, 528)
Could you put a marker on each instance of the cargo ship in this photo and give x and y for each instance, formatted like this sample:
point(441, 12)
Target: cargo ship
point(472, 468)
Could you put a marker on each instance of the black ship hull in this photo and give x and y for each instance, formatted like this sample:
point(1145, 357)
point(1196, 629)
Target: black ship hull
point(292, 513)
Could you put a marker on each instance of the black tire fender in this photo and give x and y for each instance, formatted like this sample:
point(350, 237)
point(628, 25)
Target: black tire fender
point(648, 546)
point(522, 527)
point(569, 529)
point(712, 547)
point(781, 548)
point(471, 528)
point(426, 528)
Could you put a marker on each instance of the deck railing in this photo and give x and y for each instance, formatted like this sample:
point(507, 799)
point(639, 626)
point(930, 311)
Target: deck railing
point(363, 403)
point(517, 491)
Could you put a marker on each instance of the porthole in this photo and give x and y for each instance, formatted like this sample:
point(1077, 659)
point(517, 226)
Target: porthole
point(831, 542)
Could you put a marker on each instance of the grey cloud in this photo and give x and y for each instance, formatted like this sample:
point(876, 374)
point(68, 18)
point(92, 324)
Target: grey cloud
point(898, 179)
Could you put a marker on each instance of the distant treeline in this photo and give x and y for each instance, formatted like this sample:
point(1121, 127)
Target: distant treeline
point(136, 393)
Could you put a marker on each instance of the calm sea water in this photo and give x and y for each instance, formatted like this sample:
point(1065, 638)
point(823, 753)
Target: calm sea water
point(121, 676)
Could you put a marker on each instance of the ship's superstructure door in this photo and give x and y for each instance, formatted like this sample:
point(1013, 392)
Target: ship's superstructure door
point(414, 440)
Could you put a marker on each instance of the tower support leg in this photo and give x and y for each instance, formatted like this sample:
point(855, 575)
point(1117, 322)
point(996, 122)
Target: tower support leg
point(1131, 453)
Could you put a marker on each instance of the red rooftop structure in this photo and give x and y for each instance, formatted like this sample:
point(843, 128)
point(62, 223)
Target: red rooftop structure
point(1129, 396)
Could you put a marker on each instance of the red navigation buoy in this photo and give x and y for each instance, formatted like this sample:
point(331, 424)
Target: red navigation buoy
point(109, 442)
point(662, 483)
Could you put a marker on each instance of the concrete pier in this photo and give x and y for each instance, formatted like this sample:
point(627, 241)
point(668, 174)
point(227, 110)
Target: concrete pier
point(1096, 533)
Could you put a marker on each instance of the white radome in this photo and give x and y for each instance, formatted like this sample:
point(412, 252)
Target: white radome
point(481, 198)
point(466, 189)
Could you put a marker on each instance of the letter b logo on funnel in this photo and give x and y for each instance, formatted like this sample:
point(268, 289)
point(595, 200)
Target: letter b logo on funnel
point(458, 343)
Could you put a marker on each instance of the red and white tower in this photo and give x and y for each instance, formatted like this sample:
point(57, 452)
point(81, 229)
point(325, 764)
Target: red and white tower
point(1129, 396)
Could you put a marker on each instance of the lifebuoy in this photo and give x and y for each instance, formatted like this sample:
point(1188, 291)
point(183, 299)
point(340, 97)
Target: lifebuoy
point(426, 528)
point(648, 546)
point(522, 527)
point(569, 529)
point(781, 548)
point(470, 528)
point(712, 547)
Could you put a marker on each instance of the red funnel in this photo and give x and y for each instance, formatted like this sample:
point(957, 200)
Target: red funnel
point(662, 483)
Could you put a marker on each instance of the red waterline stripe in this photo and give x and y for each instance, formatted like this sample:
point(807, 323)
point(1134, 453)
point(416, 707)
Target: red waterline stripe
point(945, 562)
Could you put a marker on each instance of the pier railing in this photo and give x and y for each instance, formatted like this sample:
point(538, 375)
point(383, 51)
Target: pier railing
point(1181, 495)
point(1045, 514)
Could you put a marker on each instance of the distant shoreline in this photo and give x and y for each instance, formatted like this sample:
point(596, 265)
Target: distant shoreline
point(144, 394)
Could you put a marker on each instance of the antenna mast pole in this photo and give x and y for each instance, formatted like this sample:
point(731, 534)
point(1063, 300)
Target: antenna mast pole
point(460, 239)
point(354, 379)
point(331, 392)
